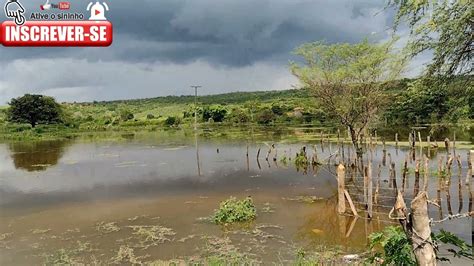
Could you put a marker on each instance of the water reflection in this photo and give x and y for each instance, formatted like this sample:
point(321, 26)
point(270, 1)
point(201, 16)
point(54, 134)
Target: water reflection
point(38, 155)
point(197, 153)
point(155, 175)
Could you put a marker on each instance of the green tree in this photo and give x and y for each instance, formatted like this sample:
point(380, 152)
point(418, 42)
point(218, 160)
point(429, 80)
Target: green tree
point(443, 27)
point(348, 80)
point(216, 112)
point(34, 109)
point(277, 109)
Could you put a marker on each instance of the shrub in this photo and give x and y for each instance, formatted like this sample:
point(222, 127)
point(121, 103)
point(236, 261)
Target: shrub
point(171, 121)
point(150, 116)
point(239, 115)
point(265, 116)
point(126, 115)
point(396, 247)
point(233, 210)
point(278, 109)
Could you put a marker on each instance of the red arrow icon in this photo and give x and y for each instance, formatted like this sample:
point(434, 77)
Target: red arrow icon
point(97, 12)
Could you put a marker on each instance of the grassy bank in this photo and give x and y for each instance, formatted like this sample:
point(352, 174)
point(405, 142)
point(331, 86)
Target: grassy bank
point(291, 108)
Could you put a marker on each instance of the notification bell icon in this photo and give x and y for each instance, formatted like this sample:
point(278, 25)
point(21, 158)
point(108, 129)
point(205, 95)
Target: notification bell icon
point(97, 10)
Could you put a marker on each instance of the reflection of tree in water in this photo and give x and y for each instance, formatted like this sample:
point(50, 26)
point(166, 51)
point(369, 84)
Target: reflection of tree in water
point(37, 155)
point(326, 228)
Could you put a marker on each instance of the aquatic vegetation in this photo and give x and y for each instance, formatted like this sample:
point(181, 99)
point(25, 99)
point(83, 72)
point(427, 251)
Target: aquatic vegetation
point(40, 231)
point(134, 218)
point(301, 161)
point(5, 236)
point(68, 256)
point(221, 251)
point(186, 238)
point(62, 257)
point(304, 199)
point(151, 235)
point(233, 210)
point(126, 254)
point(329, 256)
point(268, 208)
point(4, 240)
point(107, 228)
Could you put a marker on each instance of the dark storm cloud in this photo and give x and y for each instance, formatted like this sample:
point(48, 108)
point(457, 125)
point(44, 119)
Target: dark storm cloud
point(223, 32)
point(163, 46)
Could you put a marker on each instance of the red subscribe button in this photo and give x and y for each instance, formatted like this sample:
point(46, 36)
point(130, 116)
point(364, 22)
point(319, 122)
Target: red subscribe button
point(56, 33)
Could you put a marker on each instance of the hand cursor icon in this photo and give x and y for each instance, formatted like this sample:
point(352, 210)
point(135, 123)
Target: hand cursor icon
point(13, 9)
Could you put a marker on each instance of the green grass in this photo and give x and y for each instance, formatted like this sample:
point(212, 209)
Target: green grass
point(233, 210)
point(267, 108)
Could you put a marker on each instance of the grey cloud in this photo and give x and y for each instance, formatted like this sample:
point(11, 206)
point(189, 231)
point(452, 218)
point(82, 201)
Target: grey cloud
point(223, 32)
point(163, 46)
point(80, 80)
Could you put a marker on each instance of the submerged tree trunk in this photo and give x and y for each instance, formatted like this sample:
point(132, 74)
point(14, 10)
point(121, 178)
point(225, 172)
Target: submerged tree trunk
point(355, 141)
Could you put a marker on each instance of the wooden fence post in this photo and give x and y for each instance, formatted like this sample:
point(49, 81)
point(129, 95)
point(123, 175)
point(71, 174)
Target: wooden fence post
point(369, 189)
point(419, 139)
point(421, 232)
point(454, 141)
point(417, 227)
point(404, 175)
point(416, 188)
point(341, 204)
point(446, 145)
point(470, 161)
point(351, 204)
point(377, 187)
point(425, 174)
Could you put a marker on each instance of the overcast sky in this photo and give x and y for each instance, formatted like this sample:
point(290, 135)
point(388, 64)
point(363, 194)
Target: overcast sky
point(161, 47)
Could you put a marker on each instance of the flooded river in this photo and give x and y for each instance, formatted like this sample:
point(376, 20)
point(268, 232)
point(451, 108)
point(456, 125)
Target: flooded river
point(125, 198)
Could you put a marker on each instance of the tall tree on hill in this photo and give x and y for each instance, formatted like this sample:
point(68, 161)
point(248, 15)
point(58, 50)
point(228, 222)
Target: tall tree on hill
point(348, 80)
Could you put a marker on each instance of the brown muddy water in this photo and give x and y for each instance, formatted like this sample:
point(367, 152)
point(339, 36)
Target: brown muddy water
point(92, 199)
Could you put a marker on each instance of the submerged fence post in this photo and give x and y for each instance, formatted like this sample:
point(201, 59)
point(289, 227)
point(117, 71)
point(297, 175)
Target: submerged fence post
point(341, 204)
point(419, 139)
point(376, 196)
point(416, 188)
point(425, 175)
point(369, 189)
point(470, 161)
point(404, 175)
point(454, 141)
point(446, 145)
